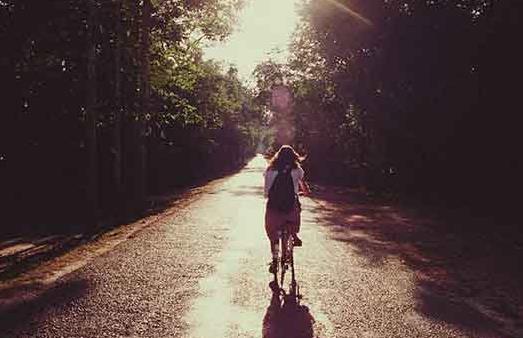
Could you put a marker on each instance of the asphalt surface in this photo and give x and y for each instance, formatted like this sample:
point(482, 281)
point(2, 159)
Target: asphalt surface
point(201, 271)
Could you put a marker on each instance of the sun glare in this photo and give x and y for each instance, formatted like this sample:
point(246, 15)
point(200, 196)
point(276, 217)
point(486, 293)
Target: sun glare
point(265, 28)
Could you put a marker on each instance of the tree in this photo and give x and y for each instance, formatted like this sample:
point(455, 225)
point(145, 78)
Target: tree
point(92, 85)
point(398, 91)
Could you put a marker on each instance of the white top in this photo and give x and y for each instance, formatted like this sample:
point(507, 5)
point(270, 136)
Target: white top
point(270, 175)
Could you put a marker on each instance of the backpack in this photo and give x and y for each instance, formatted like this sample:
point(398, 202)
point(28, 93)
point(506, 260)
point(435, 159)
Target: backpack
point(281, 194)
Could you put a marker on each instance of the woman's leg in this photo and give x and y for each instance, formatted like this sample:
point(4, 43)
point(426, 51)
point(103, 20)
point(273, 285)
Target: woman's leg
point(271, 219)
point(298, 219)
point(296, 224)
point(275, 249)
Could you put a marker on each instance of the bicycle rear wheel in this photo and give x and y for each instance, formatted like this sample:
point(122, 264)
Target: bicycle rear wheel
point(286, 260)
point(283, 256)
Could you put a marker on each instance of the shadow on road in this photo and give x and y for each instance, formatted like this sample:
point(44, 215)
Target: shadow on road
point(256, 170)
point(287, 320)
point(467, 271)
point(22, 314)
point(248, 190)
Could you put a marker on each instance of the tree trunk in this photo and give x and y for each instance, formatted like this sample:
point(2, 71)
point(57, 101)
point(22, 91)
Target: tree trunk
point(90, 110)
point(145, 99)
point(117, 169)
point(131, 169)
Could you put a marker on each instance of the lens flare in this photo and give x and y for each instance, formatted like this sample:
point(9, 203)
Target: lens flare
point(351, 12)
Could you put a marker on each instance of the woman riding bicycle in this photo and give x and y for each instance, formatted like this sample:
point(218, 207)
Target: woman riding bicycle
point(283, 181)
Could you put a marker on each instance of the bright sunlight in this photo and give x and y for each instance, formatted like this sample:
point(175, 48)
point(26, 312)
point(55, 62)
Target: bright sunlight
point(265, 28)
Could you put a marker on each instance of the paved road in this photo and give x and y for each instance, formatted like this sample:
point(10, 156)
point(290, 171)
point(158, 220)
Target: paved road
point(202, 272)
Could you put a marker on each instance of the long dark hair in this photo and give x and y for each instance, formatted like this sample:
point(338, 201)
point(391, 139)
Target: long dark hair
point(285, 157)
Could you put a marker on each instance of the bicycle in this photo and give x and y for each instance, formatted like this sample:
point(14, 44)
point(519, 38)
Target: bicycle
point(285, 261)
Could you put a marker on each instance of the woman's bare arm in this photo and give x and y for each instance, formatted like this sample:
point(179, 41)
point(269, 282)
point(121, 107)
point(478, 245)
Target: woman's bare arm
point(304, 187)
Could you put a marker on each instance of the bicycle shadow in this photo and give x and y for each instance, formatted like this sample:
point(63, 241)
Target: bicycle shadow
point(287, 320)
